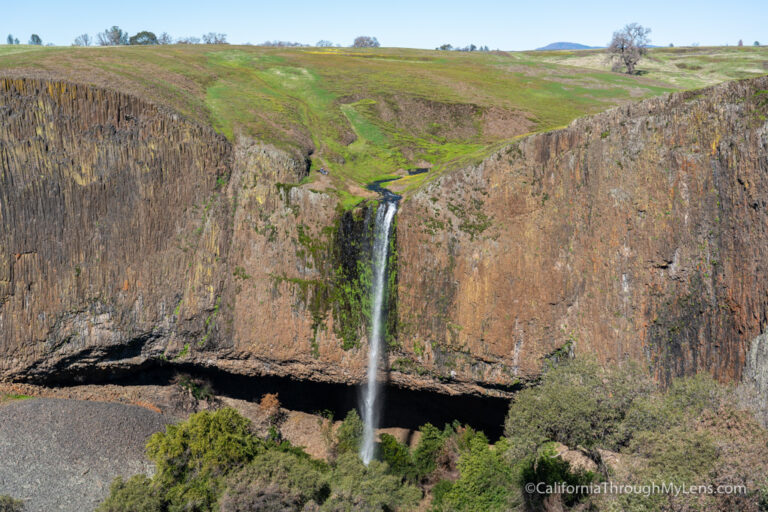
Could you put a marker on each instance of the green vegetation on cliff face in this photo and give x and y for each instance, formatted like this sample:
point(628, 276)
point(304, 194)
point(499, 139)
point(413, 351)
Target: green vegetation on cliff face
point(366, 113)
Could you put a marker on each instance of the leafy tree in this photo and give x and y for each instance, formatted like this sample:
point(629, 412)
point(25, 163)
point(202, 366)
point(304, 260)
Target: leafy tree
point(425, 453)
point(486, 483)
point(628, 46)
point(214, 38)
point(143, 38)
point(545, 467)
point(445, 47)
point(359, 487)
point(349, 434)
point(35, 40)
point(365, 42)
point(193, 457)
point(83, 40)
point(578, 403)
point(756, 43)
point(295, 479)
point(133, 495)
point(114, 36)
point(11, 40)
point(398, 458)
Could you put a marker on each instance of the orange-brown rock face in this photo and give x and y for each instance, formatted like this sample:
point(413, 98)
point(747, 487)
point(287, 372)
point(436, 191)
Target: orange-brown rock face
point(129, 235)
point(101, 199)
point(639, 233)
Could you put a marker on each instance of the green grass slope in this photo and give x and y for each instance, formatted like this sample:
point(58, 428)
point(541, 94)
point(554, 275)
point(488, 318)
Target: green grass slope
point(365, 114)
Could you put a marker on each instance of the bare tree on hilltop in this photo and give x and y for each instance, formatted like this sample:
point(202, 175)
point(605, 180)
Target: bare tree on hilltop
point(164, 38)
point(83, 40)
point(214, 38)
point(365, 42)
point(114, 36)
point(628, 46)
point(280, 44)
point(188, 40)
point(323, 43)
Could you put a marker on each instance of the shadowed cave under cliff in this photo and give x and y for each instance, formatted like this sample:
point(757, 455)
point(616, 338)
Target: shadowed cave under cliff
point(402, 408)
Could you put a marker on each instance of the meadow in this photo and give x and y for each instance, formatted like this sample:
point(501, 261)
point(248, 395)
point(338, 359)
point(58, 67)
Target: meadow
point(366, 114)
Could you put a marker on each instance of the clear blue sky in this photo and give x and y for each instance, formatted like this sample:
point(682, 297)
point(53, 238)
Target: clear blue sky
point(505, 24)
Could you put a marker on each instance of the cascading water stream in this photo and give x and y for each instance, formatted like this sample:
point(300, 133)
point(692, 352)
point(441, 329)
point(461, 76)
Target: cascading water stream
point(371, 398)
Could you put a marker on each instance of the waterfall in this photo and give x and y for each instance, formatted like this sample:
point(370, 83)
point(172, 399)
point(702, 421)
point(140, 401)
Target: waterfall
point(371, 398)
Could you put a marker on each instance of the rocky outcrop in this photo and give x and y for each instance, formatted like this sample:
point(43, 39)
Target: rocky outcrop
point(639, 233)
point(102, 206)
point(131, 236)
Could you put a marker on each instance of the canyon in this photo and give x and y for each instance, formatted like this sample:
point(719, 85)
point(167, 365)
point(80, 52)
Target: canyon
point(134, 238)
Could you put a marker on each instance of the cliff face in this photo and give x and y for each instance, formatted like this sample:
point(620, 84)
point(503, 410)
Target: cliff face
point(130, 235)
point(639, 233)
point(100, 205)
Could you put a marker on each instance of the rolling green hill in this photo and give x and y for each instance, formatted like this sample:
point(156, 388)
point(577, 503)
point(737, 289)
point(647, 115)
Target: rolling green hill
point(365, 114)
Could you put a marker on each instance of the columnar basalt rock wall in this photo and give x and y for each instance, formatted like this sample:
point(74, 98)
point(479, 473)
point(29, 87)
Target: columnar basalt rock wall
point(639, 233)
point(100, 197)
point(130, 235)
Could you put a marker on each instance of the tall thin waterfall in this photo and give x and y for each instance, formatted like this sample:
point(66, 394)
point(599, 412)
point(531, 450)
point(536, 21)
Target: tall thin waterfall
point(371, 405)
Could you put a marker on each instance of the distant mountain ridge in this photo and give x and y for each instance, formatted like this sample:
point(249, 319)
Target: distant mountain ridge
point(562, 45)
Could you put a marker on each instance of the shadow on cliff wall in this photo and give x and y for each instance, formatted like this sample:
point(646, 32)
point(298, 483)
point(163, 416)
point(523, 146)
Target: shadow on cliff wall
point(404, 408)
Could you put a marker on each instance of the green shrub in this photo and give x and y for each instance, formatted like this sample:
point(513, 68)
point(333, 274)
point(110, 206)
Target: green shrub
point(133, 495)
point(192, 457)
point(246, 498)
point(695, 394)
point(486, 483)
point(357, 487)
point(299, 477)
point(683, 402)
point(349, 435)
point(426, 451)
point(762, 499)
point(577, 404)
point(679, 454)
point(398, 458)
point(8, 504)
point(200, 389)
point(439, 491)
point(547, 468)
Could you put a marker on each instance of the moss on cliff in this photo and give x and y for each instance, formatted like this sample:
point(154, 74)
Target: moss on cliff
point(341, 254)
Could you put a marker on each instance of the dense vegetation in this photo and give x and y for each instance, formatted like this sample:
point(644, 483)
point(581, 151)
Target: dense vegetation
point(583, 424)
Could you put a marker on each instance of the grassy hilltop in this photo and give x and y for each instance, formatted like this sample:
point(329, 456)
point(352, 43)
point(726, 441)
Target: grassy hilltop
point(365, 114)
